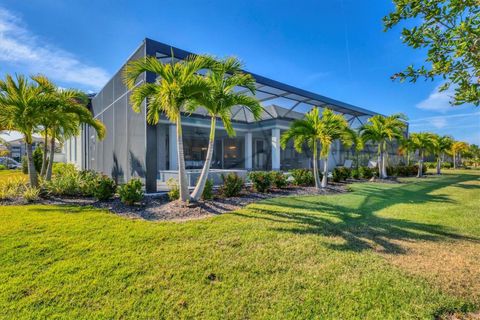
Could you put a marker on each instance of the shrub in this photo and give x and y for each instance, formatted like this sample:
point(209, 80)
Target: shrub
point(208, 190)
point(174, 192)
point(232, 185)
point(355, 174)
point(366, 172)
point(430, 165)
point(261, 180)
point(24, 165)
point(64, 184)
point(3, 167)
point(37, 158)
point(87, 182)
point(105, 188)
point(341, 173)
point(31, 194)
point(303, 177)
point(59, 168)
point(279, 180)
point(447, 165)
point(12, 188)
point(131, 192)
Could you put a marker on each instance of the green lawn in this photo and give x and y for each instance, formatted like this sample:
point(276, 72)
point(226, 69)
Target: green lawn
point(11, 174)
point(381, 252)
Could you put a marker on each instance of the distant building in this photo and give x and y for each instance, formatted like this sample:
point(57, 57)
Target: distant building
point(18, 148)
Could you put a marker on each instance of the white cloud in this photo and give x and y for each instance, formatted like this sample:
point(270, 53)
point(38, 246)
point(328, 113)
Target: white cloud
point(20, 47)
point(438, 101)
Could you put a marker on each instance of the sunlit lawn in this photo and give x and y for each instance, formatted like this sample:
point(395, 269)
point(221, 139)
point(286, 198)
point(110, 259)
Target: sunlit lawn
point(382, 251)
point(11, 174)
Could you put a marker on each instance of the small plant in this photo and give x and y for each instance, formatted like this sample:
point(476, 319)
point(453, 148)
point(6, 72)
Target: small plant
point(174, 192)
point(208, 190)
point(336, 175)
point(87, 182)
point(37, 158)
point(303, 177)
point(355, 174)
point(12, 188)
point(131, 192)
point(60, 169)
point(64, 184)
point(105, 188)
point(366, 172)
point(232, 185)
point(279, 180)
point(261, 180)
point(24, 165)
point(31, 194)
point(3, 167)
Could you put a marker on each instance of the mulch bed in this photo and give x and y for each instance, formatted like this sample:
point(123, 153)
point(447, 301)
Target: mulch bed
point(159, 208)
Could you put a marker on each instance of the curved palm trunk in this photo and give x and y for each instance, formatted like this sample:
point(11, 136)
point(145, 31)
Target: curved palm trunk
point(439, 165)
point(45, 151)
point(48, 175)
point(325, 173)
point(182, 173)
point(202, 180)
point(32, 173)
point(420, 165)
point(315, 166)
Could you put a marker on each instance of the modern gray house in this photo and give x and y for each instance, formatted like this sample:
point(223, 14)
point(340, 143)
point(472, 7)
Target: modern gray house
point(133, 148)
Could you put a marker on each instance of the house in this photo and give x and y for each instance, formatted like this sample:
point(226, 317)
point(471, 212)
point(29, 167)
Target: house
point(18, 148)
point(134, 148)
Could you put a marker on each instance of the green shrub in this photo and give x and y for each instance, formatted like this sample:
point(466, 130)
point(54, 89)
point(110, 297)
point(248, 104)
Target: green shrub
point(31, 194)
point(105, 188)
point(3, 167)
point(430, 165)
point(208, 190)
point(12, 188)
point(232, 185)
point(355, 174)
point(174, 192)
point(87, 182)
point(447, 165)
point(131, 192)
point(341, 173)
point(279, 180)
point(303, 177)
point(37, 158)
point(59, 168)
point(366, 172)
point(24, 165)
point(67, 184)
point(261, 180)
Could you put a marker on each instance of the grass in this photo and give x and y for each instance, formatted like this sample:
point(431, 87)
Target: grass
point(382, 251)
point(9, 174)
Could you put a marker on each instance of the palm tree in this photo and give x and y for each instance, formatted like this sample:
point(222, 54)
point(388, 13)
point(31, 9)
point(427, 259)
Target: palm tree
point(177, 83)
point(405, 149)
point(457, 149)
point(317, 132)
point(21, 101)
point(423, 142)
point(441, 144)
point(382, 130)
point(223, 77)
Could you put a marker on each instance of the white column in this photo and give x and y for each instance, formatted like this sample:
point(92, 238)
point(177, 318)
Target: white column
point(275, 149)
point(172, 147)
point(248, 151)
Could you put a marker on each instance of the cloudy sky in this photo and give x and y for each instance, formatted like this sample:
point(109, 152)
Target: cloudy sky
point(336, 48)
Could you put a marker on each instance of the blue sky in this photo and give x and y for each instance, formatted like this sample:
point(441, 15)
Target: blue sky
point(335, 48)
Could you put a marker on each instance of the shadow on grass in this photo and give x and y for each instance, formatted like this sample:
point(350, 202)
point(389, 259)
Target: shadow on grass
point(354, 219)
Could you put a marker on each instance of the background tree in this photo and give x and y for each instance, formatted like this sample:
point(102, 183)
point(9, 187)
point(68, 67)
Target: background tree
point(440, 145)
point(449, 30)
point(20, 102)
point(474, 154)
point(222, 78)
point(382, 130)
point(405, 149)
point(423, 143)
point(457, 149)
point(177, 83)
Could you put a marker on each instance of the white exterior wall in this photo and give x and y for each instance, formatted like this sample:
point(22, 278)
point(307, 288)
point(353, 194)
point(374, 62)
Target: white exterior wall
point(72, 152)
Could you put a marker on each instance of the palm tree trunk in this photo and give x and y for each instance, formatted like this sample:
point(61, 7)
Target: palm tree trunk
point(45, 151)
point(32, 173)
point(315, 166)
point(420, 165)
point(384, 166)
point(182, 173)
point(380, 164)
point(454, 161)
point(50, 163)
point(325, 172)
point(439, 165)
point(202, 180)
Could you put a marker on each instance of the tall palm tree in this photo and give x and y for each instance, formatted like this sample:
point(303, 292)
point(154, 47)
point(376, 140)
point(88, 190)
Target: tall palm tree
point(319, 131)
point(423, 143)
point(441, 144)
point(457, 148)
point(177, 83)
point(382, 130)
point(222, 78)
point(405, 149)
point(21, 101)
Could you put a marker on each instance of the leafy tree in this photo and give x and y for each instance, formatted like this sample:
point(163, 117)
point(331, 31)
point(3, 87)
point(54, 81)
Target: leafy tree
point(382, 130)
point(457, 149)
point(474, 154)
point(441, 145)
point(423, 143)
point(20, 102)
point(406, 148)
point(222, 78)
point(319, 131)
point(177, 83)
point(449, 30)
